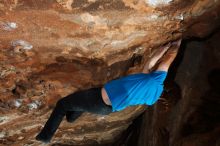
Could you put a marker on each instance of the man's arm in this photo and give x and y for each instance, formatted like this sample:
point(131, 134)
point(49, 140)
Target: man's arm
point(157, 55)
point(170, 55)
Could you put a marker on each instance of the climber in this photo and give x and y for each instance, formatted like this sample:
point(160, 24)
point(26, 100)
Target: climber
point(135, 89)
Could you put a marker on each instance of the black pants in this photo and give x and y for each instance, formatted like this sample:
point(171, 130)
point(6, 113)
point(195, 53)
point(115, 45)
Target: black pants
point(73, 106)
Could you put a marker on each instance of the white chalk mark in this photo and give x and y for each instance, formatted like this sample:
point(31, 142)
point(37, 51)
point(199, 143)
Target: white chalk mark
point(101, 118)
point(17, 103)
point(2, 134)
point(91, 1)
point(154, 16)
point(137, 50)
point(34, 105)
point(9, 26)
point(180, 17)
point(155, 3)
point(21, 43)
point(93, 20)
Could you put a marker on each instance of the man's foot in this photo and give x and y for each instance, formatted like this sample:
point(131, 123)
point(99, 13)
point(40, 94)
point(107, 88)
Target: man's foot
point(43, 138)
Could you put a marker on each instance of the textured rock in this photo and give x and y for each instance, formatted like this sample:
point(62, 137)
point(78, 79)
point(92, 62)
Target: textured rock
point(190, 114)
point(50, 49)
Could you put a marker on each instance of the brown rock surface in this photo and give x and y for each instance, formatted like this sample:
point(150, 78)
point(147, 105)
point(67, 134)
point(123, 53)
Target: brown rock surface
point(51, 49)
point(188, 113)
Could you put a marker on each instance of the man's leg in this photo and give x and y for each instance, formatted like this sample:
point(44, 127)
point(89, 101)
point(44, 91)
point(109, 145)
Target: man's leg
point(88, 100)
point(96, 105)
point(52, 123)
point(71, 116)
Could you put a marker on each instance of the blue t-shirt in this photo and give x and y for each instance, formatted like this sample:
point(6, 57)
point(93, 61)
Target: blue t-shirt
point(135, 89)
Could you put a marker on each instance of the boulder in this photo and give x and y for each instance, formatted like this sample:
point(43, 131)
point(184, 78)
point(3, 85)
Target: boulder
point(49, 49)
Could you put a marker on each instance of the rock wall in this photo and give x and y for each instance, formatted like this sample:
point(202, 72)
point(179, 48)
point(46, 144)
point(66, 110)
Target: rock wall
point(188, 112)
point(49, 49)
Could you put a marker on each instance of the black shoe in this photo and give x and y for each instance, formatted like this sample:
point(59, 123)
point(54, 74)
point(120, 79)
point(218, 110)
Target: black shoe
point(45, 139)
point(72, 116)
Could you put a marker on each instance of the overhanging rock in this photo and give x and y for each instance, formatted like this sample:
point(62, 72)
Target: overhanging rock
point(51, 49)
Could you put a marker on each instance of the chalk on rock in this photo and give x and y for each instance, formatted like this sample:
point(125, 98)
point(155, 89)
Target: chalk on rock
point(155, 3)
point(20, 137)
point(17, 103)
point(101, 118)
point(3, 134)
point(3, 119)
point(21, 43)
point(180, 17)
point(9, 26)
point(37, 102)
point(34, 105)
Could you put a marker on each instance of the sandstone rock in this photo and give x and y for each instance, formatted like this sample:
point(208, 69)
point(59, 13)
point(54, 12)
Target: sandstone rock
point(49, 49)
point(191, 116)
